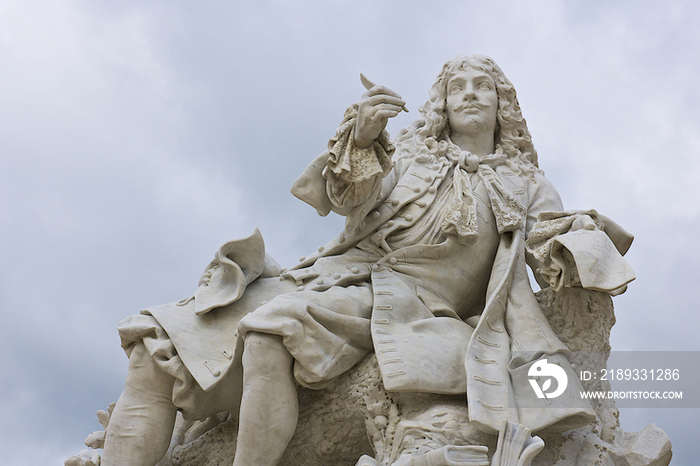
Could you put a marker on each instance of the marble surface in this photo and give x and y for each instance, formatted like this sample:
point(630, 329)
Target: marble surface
point(427, 282)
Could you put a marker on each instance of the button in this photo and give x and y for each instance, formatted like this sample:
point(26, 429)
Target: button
point(394, 202)
point(416, 189)
point(301, 288)
point(390, 223)
point(421, 204)
point(428, 178)
point(302, 259)
point(431, 190)
point(214, 372)
point(377, 237)
point(409, 217)
point(376, 214)
point(319, 281)
point(393, 260)
point(354, 270)
point(320, 249)
point(336, 276)
point(341, 239)
point(299, 282)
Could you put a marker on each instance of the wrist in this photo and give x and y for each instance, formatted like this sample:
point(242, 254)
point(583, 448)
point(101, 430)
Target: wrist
point(360, 139)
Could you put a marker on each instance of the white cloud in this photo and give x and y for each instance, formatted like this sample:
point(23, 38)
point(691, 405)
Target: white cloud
point(137, 138)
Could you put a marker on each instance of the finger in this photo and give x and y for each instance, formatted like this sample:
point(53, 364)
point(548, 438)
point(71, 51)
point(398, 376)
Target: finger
point(381, 90)
point(384, 92)
point(583, 222)
point(373, 89)
point(384, 99)
point(383, 109)
point(576, 224)
point(370, 86)
point(386, 114)
point(588, 223)
point(366, 82)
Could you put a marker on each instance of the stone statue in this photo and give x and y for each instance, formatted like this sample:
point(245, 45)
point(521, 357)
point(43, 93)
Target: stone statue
point(429, 276)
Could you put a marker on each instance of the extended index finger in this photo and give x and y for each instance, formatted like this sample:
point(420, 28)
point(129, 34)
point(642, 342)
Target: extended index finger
point(378, 99)
point(379, 90)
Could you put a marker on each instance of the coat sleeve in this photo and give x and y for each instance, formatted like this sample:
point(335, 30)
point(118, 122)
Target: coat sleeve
point(354, 176)
point(345, 179)
point(543, 197)
point(561, 257)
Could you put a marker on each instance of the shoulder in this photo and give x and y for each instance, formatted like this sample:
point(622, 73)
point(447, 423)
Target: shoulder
point(542, 191)
point(541, 182)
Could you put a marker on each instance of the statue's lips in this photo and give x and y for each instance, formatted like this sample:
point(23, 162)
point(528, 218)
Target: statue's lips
point(470, 109)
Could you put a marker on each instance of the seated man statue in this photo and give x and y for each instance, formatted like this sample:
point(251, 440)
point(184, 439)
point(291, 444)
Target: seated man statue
point(429, 274)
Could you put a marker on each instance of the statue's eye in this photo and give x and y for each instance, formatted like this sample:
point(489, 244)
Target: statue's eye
point(484, 86)
point(455, 88)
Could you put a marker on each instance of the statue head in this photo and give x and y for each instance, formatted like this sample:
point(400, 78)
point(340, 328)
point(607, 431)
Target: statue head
point(511, 134)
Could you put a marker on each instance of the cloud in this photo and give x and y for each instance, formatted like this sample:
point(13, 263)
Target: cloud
point(137, 138)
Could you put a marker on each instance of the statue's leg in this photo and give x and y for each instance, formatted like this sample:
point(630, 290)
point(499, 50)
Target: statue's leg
point(269, 408)
point(142, 422)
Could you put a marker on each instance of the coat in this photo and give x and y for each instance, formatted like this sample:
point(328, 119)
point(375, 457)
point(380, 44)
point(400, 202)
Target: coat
point(417, 334)
point(412, 345)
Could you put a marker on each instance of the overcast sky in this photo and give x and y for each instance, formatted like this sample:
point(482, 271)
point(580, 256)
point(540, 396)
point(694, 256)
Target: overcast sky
point(137, 137)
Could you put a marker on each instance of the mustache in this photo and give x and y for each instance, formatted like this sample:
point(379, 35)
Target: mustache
point(476, 105)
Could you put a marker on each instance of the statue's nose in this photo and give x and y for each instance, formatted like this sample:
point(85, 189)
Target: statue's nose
point(469, 93)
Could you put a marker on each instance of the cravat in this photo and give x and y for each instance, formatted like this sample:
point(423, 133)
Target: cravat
point(461, 215)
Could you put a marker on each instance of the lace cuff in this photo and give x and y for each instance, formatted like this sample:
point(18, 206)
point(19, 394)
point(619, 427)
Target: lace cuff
point(349, 164)
point(580, 258)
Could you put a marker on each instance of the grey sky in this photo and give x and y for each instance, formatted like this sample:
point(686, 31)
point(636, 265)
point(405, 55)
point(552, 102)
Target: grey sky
point(136, 137)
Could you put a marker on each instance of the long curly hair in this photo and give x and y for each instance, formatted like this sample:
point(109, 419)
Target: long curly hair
point(429, 133)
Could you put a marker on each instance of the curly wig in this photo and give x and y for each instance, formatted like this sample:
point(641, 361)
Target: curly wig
point(431, 130)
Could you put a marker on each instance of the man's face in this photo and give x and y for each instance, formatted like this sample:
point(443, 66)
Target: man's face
point(472, 103)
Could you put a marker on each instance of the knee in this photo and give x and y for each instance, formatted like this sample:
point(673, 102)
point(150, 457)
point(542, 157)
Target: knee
point(265, 355)
point(140, 360)
point(139, 355)
point(144, 373)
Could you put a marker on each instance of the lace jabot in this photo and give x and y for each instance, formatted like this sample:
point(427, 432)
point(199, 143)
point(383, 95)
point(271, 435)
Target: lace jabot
point(461, 215)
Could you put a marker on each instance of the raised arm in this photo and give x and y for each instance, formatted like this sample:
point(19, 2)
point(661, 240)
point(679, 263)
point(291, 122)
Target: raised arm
point(347, 178)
